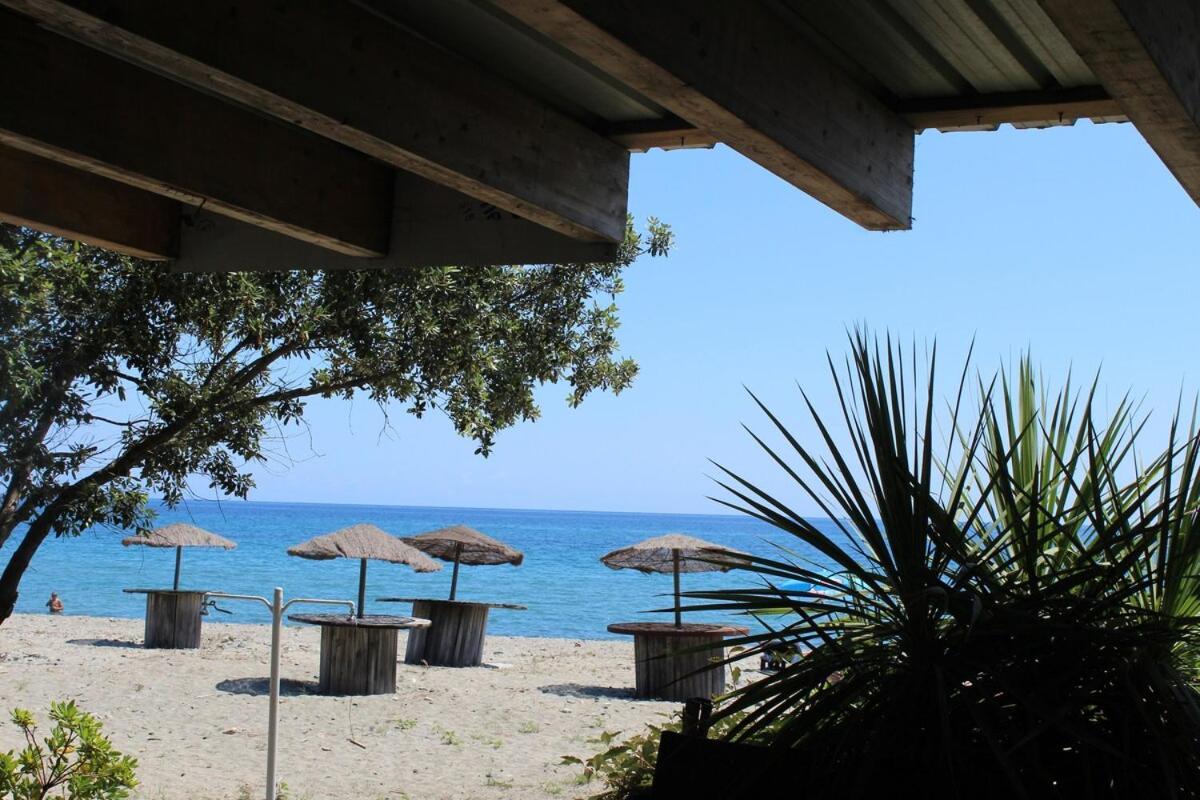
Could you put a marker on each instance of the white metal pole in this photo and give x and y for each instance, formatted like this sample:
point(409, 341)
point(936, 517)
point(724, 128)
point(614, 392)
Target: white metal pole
point(277, 608)
point(273, 719)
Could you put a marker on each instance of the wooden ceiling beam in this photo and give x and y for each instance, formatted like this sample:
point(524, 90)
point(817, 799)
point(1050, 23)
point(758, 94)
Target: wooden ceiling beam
point(345, 73)
point(46, 196)
point(737, 71)
point(1145, 53)
point(1062, 106)
point(71, 104)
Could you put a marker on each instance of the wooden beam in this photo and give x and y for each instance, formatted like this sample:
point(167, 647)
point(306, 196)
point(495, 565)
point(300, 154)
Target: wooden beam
point(987, 111)
point(1146, 54)
point(67, 102)
point(433, 226)
point(342, 71)
point(737, 71)
point(49, 197)
point(668, 134)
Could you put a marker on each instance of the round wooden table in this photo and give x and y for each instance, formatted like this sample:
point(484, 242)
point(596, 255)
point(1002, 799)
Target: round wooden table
point(358, 654)
point(172, 617)
point(456, 632)
point(665, 670)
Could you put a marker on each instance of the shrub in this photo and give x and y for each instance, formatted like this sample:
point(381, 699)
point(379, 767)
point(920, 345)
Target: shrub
point(75, 760)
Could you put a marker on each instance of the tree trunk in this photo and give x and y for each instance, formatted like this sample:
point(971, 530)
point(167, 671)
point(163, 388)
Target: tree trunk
point(18, 562)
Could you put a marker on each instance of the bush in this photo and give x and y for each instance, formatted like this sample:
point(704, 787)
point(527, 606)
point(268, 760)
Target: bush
point(74, 761)
point(626, 766)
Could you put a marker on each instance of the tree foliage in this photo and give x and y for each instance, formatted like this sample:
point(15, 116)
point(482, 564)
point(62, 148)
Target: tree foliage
point(121, 379)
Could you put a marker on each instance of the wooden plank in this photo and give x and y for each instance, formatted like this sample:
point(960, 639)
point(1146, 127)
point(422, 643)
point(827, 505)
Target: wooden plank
point(49, 197)
point(432, 226)
point(173, 620)
point(455, 635)
point(67, 102)
point(347, 74)
point(666, 670)
point(737, 71)
point(1146, 56)
point(988, 111)
point(357, 660)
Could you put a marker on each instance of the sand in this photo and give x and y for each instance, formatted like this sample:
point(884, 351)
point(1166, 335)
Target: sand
point(196, 719)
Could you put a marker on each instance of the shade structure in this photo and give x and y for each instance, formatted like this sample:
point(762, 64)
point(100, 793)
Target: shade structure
point(179, 535)
point(364, 541)
point(674, 553)
point(463, 545)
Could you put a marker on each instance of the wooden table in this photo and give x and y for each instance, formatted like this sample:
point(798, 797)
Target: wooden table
point(358, 654)
point(665, 670)
point(172, 617)
point(455, 634)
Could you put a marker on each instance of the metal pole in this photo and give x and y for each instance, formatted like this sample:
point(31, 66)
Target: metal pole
point(362, 587)
point(678, 615)
point(277, 608)
point(178, 558)
point(273, 718)
point(454, 579)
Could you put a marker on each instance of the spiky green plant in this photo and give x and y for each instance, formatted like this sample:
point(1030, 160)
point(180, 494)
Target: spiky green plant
point(1004, 609)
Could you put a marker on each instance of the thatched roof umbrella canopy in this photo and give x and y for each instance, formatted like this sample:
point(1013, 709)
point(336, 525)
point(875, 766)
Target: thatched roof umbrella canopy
point(674, 553)
point(364, 541)
point(179, 535)
point(464, 545)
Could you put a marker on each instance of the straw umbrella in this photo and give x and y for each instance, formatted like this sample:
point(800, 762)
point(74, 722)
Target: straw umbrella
point(364, 541)
point(464, 545)
point(179, 535)
point(673, 553)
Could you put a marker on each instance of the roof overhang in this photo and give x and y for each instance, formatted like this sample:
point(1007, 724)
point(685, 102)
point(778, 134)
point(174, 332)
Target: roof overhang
point(232, 134)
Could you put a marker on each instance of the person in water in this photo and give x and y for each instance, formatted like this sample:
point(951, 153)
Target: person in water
point(54, 604)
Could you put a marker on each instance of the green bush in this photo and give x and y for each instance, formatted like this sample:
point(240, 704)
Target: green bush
point(74, 761)
point(625, 767)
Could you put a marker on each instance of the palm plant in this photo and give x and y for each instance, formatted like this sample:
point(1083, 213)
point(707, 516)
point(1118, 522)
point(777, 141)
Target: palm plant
point(1007, 613)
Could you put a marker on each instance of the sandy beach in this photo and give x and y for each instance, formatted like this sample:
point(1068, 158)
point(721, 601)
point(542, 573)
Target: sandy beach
point(196, 720)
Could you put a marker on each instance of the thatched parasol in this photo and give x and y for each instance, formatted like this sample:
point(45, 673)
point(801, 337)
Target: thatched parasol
point(673, 553)
point(364, 541)
point(179, 535)
point(464, 545)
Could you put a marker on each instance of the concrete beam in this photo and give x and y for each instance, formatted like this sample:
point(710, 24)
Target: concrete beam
point(433, 226)
point(736, 71)
point(46, 196)
point(71, 104)
point(1146, 53)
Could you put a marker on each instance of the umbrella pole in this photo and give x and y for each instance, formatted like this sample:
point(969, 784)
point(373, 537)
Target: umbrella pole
point(178, 558)
point(678, 615)
point(454, 578)
point(362, 586)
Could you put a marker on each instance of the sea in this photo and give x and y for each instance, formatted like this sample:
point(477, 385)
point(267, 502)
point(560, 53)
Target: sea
point(568, 591)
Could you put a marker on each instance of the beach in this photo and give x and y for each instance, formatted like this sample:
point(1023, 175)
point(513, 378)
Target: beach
point(196, 719)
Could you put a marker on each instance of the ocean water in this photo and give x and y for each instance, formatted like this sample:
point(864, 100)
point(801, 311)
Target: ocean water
point(568, 591)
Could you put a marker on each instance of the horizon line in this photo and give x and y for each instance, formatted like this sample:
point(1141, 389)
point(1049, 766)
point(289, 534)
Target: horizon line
point(219, 500)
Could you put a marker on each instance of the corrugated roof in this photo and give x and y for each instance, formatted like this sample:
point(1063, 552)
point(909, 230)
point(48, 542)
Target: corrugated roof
point(945, 48)
point(502, 45)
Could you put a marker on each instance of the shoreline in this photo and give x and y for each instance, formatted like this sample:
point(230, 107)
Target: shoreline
point(196, 719)
point(296, 625)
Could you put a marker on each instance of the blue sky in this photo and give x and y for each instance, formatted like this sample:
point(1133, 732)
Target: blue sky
point(1075, 242)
